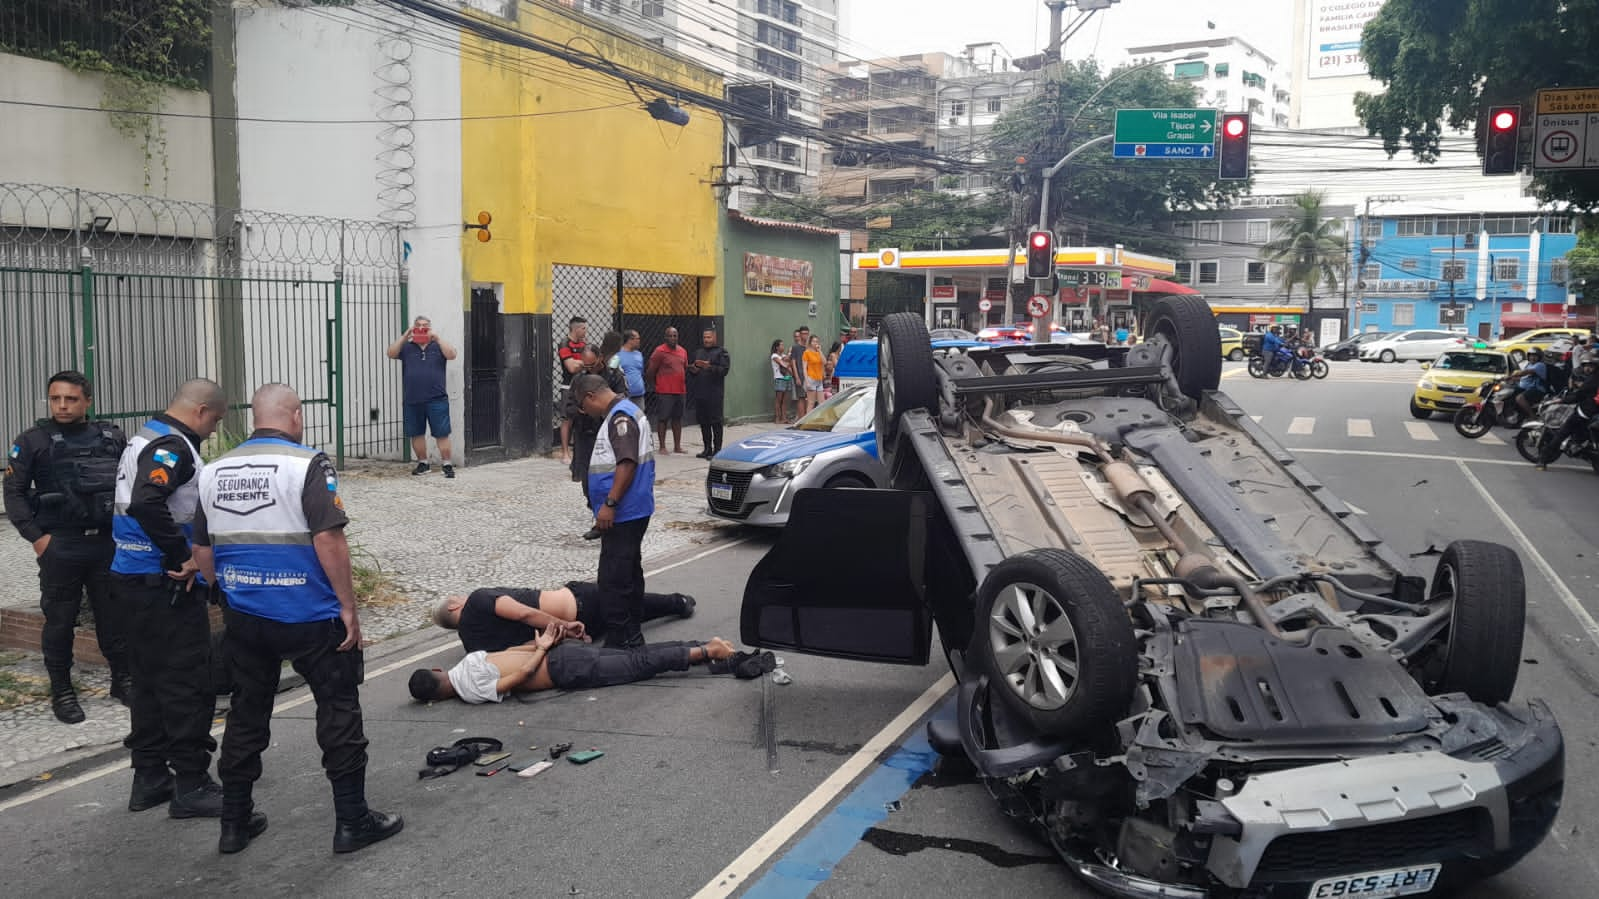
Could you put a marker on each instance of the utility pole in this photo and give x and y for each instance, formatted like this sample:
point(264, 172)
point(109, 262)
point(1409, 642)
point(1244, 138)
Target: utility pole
point(1057, 35)
point(1360, 273)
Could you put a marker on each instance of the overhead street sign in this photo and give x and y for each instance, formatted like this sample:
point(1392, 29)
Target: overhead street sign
point(1567, 129)
point(1165, 134)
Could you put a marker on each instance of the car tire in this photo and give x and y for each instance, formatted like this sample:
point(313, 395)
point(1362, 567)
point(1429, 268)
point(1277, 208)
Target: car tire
point(1085, 626)
point(1388, 356)
point(1237, 355)
point(1417, 411)
point(848, 481)
point(1479, 652)
point(905, 378)
point(1188, 326)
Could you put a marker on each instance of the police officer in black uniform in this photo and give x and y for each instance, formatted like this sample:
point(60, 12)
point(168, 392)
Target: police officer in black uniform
point(59, 486)
point(707, 384)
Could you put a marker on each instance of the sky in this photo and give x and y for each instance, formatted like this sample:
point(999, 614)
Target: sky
point(901, 27)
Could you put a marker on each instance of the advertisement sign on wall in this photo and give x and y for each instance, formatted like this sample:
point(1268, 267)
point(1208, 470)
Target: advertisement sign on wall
point(776, 276)
point(1335, 27)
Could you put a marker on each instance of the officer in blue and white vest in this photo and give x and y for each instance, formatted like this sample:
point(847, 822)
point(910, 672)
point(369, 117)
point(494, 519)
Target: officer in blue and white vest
point(168, 617)
point(621, 491)
point(270, 532)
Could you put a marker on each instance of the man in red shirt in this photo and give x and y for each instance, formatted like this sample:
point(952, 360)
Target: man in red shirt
point(570, 354)
point(668, 369)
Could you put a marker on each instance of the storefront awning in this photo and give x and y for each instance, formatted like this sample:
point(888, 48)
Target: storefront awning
point(1522, 321)
point(1158, 285)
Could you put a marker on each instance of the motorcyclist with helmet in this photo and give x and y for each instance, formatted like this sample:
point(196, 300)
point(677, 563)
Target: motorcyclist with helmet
point(1585, 396)
point(1532, 383)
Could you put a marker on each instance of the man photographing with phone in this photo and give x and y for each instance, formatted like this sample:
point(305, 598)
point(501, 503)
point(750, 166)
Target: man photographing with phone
point(423, 356)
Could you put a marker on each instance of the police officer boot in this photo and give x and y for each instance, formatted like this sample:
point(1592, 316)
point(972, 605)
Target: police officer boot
point(64, 699)
point(151, 787)
point(237, 834)
point(196, 796)
point(122, 687)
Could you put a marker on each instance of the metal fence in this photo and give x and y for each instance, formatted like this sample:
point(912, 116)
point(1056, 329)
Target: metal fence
point(619, 299)
point(144, 293)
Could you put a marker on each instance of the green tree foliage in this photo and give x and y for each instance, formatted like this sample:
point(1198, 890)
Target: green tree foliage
point(1584, 262)
point(1444, 62)
point(167, 41)
point(925, 220)
point(1308, 247)
point(1103, 199)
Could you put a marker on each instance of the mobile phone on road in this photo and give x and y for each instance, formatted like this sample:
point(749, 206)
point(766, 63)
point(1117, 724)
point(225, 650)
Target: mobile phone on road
point(491, 758)
point(536, 768)
point(583, 758)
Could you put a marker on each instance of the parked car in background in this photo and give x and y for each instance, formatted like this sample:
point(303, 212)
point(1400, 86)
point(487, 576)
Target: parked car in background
point(1516, 346)
point(1349, 348)
point(1451, 380)
point(754, 480)
point(1003, 335)
point(1232, 343)
point(952, 334)
point(1414, 345)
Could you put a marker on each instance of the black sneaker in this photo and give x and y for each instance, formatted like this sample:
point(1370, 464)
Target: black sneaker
point(745, 665)
point(64, 705)
point(374, 828)
point(421, 468)
point(151, 787)
point(237, 834)
point(449, 470)
point(204, 801)
point(685, 605)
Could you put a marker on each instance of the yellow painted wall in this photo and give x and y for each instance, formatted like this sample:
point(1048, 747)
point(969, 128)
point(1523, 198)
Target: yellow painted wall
point(583, 175)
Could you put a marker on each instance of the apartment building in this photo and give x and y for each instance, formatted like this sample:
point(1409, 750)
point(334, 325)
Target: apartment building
point(1234, 76)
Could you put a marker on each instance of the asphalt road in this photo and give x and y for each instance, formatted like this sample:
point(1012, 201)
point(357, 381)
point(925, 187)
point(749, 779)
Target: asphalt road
point(713, 787)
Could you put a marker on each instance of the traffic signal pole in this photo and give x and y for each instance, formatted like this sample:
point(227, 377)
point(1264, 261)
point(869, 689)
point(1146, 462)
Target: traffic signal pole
point(1043, 327)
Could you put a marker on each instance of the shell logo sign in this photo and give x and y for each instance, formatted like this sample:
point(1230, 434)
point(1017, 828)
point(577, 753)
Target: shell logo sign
point(888, 258)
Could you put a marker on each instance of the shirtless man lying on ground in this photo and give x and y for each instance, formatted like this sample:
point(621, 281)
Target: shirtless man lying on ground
point(497, 618)
point(551, 663)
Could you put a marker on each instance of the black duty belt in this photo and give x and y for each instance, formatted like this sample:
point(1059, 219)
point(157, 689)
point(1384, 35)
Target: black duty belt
point(74, 531)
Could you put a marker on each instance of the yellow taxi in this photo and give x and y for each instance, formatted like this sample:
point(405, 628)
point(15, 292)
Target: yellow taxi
point(1451, 381)
point(1232, 343)
point(1518, 345)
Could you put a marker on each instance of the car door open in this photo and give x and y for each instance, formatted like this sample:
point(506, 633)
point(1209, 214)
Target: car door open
point(847, 578)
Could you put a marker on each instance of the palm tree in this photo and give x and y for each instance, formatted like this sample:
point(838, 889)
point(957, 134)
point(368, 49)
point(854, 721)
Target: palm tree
point(1308, 248)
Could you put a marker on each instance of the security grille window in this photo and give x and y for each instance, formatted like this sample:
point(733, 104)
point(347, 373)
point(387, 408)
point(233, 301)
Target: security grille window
point(1257, 273)
point(1454, 270)
point(1507, 269)
point(1371, 272)
point(1185, 272)
point(995, 104)
point(1255, 231)
point(654, 10)
point(1209, 272)
point(1209, 232)
point(1410, 265)
point(1559, 271)
point(1404, 315)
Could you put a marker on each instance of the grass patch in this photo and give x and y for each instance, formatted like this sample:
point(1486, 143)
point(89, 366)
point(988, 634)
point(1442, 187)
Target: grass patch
point(373, 585)
point(21, 689)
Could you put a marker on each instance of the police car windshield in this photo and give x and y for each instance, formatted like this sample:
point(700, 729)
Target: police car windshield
point(850, 411)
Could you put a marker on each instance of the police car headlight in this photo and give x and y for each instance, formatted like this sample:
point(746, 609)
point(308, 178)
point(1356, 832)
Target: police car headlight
point(790, 468)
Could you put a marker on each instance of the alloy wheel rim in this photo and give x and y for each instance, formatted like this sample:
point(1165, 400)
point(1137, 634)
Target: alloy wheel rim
point(1035, 646)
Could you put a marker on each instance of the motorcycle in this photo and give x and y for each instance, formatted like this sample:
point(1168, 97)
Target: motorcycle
point(1313, 363)
point(1552, 416)
point(1495, 404)
point(1282, 362)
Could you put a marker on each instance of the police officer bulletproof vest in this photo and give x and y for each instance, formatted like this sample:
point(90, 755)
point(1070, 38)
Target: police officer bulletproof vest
point(77, 484)
point(136, 553)
point(639, 501)
point(265, 560)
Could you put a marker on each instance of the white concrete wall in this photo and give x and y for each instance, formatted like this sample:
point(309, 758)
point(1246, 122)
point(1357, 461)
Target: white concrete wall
point(79, 147)
point(319, 63)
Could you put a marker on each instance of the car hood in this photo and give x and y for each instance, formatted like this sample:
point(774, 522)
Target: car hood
point(1458, 378)
point(772, 447)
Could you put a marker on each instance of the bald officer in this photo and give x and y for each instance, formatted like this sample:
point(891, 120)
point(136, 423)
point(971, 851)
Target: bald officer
point(270, 531)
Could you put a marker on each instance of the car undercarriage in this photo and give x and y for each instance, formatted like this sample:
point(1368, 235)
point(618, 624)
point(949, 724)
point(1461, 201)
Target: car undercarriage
point(1179, 657)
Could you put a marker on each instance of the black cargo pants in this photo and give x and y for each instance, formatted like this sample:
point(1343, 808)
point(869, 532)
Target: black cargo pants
point(621, 582)
point(169, 654)
point(582, 666)
point(75, 564)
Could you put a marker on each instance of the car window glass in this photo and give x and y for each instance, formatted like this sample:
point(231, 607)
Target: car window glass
point(849, 411)
point(1490, 363)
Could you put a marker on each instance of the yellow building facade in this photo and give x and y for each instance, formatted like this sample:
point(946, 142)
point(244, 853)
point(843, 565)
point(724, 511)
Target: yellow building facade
point(597, 210)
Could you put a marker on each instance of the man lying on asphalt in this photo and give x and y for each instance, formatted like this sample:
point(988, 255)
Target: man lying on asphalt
point(497, 618)
point(549, 663)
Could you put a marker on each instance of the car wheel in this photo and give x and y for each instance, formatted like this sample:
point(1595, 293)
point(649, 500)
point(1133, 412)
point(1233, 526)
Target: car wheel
point(1417, 411)
point(1188, 326)
point(1388, 356)
point(1237, 355)
point(905, 378)
point(1479, 651)
point(848, 481)
point(1056, 642)
point(1517, 356)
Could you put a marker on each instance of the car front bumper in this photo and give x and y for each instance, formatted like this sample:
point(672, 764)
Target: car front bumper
point(1441, 400)
point(737, 491)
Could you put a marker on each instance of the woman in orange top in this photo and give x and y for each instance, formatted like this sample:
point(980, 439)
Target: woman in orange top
point(815, 371)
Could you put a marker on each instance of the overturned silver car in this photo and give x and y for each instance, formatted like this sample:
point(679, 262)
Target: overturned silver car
point(1178, 655)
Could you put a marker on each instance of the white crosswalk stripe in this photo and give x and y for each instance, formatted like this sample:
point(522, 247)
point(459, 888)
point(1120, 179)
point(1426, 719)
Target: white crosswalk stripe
point(1302, 426)
point(1360, 427)
point(1420, 430)
point(1492, 439)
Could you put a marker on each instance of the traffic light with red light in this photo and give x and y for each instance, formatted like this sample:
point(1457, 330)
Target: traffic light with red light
point(1040, 254)
point(1501, 146)
point(1234, 155)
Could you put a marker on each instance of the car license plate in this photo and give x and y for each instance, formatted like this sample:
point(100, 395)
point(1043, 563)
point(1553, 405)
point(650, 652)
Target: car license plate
point(722, 491)
point(1378, 884)
point(1452, 401)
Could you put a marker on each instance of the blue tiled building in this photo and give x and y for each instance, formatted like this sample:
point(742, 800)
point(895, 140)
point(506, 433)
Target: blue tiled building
point(1508, 270)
